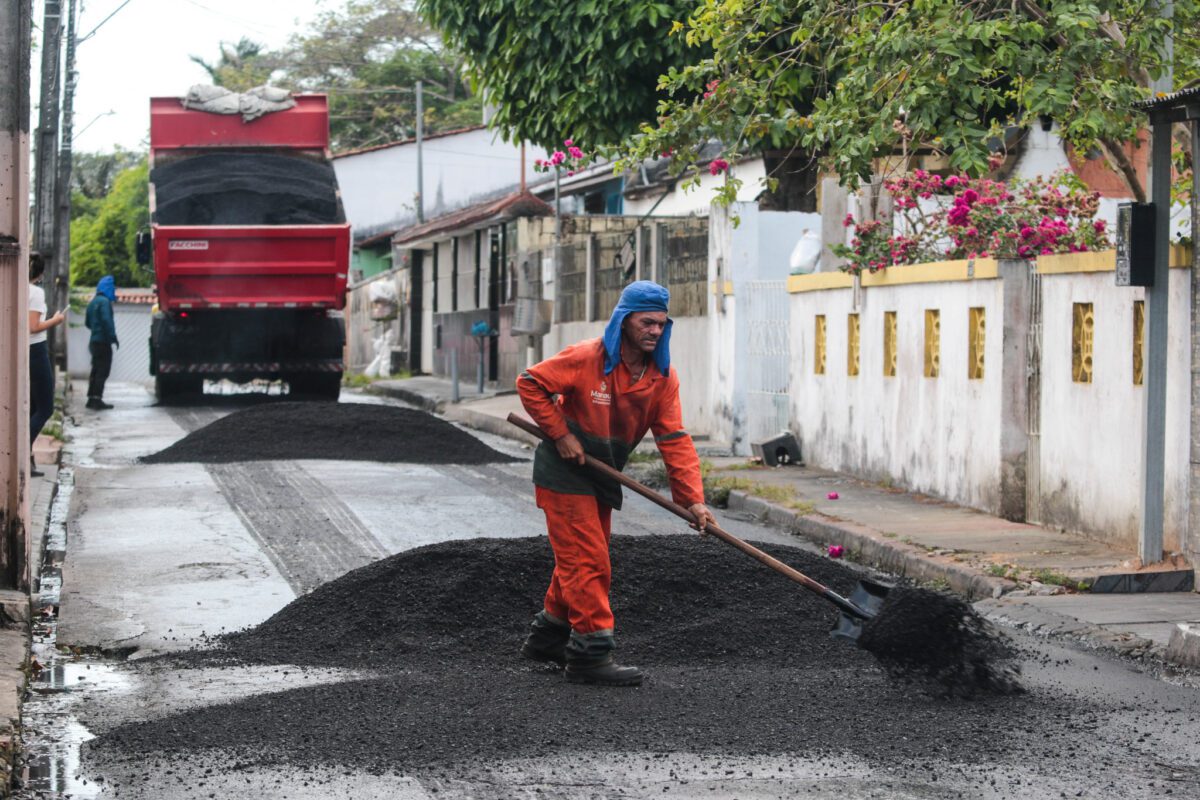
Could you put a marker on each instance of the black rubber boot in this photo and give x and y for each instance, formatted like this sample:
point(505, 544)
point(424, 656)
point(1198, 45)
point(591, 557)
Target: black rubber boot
point(590, 660)
point(547, 640)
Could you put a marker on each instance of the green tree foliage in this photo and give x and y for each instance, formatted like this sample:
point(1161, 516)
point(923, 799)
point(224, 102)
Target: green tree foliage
point(92, 174)
point(585, 69)
point(859, 81)
point(103, 231)
point(368, 57)
point(242, 65)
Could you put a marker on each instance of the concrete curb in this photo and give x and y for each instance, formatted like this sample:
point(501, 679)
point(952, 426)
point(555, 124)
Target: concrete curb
point(1184, 645)
point(488, 423)
point(457, 412)
point(1045, 622)
point(426, 402)
point(868, 546)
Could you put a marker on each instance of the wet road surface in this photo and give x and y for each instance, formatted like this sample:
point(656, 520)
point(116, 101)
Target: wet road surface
point(158, 557)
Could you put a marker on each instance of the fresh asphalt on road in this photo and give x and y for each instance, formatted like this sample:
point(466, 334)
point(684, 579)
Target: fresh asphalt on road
point(161, 557)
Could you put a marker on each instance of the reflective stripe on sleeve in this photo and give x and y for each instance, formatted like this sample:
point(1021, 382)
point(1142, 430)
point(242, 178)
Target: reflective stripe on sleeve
point(666, 437)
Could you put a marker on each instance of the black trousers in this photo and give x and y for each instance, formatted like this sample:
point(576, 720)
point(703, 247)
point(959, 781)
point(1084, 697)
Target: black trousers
point(101, 366)
point(41, 387)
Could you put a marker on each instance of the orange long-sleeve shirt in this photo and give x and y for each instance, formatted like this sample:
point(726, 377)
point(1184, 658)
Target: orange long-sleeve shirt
point(569, 393)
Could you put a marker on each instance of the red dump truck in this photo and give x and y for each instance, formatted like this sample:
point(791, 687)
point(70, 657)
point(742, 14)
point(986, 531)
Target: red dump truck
point(250, 246)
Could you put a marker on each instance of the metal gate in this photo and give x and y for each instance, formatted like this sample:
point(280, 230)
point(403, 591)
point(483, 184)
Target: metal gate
point(763, 309)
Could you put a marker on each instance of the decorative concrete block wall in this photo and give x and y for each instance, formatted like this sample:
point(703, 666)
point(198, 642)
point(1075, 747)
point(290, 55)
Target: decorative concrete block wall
point(924, 415)
point(1012, 387)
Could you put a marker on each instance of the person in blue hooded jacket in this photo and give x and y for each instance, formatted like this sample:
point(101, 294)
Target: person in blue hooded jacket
point(100, 322)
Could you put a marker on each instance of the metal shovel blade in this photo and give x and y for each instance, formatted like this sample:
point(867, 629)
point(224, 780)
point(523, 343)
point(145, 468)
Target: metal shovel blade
point(867, 596)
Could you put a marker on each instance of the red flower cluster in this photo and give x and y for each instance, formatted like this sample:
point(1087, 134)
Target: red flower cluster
point(558, 158)
point(960, 217)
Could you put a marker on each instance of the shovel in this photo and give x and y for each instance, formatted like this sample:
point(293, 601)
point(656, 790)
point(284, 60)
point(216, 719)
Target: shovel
point(863, 604)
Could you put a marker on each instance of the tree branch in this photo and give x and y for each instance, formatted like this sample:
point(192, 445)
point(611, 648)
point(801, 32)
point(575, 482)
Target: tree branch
point(1117, 158)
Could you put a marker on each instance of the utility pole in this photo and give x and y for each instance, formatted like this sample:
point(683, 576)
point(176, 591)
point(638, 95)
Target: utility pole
point(420, 159)
point(1157, 295)
point(46, 166)
point(15, 47)
point(61, 277)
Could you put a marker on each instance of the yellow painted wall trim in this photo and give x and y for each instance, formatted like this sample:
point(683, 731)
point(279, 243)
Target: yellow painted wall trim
point(1102, 261)
point(936, 272)
point(819, 281)
point(718, 290)
point(985, 268)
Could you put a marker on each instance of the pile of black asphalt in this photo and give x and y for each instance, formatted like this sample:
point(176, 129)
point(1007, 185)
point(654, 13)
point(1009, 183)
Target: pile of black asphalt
point(739, 661)
point(246, 189)
point(939, 639)
point(336, 431)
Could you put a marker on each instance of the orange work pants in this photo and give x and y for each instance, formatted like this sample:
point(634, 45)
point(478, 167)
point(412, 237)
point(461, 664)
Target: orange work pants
point(580, 527)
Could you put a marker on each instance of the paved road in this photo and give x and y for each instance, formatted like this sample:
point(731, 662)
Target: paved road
point(161, 556)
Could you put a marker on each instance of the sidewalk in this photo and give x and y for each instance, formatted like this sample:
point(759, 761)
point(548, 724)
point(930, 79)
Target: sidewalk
point(16, 610)
point(1037, 578)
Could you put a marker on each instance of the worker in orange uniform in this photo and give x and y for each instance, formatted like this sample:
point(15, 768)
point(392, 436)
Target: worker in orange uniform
point(600, 397)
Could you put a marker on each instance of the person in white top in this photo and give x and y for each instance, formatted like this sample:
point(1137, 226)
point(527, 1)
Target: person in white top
point(41, 372)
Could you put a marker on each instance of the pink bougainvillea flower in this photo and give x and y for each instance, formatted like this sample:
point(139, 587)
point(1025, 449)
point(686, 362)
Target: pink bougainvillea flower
point(953, 181)
point(718, 166)
point(1099, 225)
point(568, 142)
point(575, 153)
point(570, 172)
point(558, 157)
point(831, 496)
point(836, 551)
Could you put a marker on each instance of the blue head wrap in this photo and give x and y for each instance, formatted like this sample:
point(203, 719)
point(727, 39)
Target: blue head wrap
point(108, 288)
point(638, 296)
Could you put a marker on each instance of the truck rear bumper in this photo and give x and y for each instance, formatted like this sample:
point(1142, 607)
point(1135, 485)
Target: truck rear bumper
point(263, 368)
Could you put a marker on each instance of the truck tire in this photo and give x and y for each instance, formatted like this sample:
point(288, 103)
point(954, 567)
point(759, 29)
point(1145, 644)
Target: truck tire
point(169, 387)
point(315, 386)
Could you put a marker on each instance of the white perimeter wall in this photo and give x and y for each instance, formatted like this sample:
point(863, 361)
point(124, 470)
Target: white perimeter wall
point(131, 361)
point(942, 435)
point(1091, 439)
point(936, 435)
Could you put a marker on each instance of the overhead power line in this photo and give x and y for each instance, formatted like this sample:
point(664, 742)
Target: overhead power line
point(92, 32)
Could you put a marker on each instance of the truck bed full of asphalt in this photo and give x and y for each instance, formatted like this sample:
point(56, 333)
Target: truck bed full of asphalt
point(245, 189)
point(337, 431)
point(739, 661)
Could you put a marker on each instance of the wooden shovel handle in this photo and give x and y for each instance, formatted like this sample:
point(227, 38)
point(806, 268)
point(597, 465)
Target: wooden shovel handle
point(712, 528)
